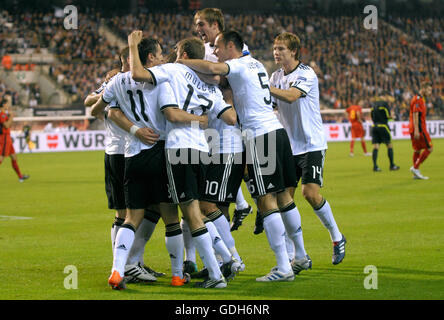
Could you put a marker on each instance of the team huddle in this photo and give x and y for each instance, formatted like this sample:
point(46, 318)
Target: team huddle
point(183, 132)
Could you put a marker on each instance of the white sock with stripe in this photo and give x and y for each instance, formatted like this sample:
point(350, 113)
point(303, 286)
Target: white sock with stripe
point(292, 221)
point(175, 246)
point(190, 248)
point(275, 231)
point(124, 242)
point(241, 203)
point(203, 243)
point(223, 227)
point(325, 214)
point(218, 244)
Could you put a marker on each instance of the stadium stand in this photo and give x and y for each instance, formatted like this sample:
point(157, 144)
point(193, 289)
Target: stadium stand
point(352, 63)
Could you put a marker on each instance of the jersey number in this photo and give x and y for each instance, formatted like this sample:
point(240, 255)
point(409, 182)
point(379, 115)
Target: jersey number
point(204, 108)
point(265, 86)
point(133, 105)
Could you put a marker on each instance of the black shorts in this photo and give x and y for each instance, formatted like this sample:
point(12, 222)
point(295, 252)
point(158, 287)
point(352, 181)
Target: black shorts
point(223, 179)
point(270, 163)
point(114, 180)
point(145, 178)
point(310, 167)
point(381, 134)
point(185, 174)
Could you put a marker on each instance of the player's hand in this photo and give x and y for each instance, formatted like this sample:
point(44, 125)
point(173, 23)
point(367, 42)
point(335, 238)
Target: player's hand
point(203, 121)
point(135, 37)
point(147, 135)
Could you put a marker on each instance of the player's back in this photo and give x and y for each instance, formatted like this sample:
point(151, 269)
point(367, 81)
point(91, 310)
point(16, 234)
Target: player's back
point(353, 111)
point(248, 79)
point(193, 96)
point(380, 112)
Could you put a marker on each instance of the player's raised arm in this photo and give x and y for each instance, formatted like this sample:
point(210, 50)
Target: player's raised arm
point(138, 72)
point(289, 96)
point(206, 67)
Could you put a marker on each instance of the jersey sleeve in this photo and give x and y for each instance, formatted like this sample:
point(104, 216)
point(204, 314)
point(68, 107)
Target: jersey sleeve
point(101, 88)
point(219, 105)
point(305, 82)
point(166, 97)
point(234, 67)
point(161, 73)
point(109, 93)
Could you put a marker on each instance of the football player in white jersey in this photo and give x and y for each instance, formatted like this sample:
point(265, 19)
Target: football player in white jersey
point(209, 22)
point(144, 163)
point(114, 182)
point(296, 90)
point(186, 147)
point(225, 188)
point(269, 157)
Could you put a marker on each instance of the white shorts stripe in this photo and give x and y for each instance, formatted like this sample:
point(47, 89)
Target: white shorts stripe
point(225, 178)
point(172, 186)
point(257, 169)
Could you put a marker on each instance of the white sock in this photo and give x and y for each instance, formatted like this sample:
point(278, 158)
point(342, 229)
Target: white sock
point(326, 216)
point(204, 246)
point(174, 245)
point(190, 248)
point(290, 247)
point(275, 231)
point(142, 236)
point(241, 203)
point(292, 222)
point(223, 227)
point(114, 228)
point(124, 242)
point(218, 244)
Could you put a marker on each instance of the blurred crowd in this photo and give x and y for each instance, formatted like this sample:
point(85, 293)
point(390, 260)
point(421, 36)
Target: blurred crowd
point(353, 64)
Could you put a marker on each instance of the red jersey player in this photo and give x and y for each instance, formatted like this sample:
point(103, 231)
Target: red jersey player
point(357, 130)
point(6, 146)
point(418, 129)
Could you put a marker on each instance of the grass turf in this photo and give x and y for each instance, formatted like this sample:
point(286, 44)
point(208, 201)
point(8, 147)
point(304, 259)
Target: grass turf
point(391, 221)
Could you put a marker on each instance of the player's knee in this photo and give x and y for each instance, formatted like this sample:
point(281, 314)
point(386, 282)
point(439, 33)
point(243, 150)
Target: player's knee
point(430, 149)
point(207, 207)
point(312, 196)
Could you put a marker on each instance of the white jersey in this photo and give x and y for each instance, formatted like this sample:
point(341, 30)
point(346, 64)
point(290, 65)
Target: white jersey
point(210, 56)
point(302, 118)
point(248, 79)
point(115, 136)
point(230, 136)
point(193, 96)
point(141, 103)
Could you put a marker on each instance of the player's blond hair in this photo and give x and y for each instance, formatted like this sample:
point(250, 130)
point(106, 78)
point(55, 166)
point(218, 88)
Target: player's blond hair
point(292, 42)
point(211, 15)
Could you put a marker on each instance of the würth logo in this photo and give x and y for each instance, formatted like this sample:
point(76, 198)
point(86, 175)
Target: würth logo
point(334, 132)
point(405, 129)
point(52, 141)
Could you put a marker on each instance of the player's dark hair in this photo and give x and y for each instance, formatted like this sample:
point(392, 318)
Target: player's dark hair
point(147, 46)
point(123, 55)
point(234, 37)
point(194, 47)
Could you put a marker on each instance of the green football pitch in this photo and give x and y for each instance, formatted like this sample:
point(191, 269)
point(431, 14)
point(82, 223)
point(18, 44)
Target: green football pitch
point(56, 226)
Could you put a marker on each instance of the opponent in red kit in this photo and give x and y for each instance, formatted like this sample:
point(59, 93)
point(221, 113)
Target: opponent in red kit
point(6, 146)
point(357, 130)
point(418, 129)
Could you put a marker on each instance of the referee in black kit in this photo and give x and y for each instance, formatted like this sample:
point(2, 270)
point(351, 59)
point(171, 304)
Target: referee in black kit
point(380, 113)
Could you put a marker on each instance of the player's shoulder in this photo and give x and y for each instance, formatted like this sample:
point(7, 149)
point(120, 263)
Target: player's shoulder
point(304, 69)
